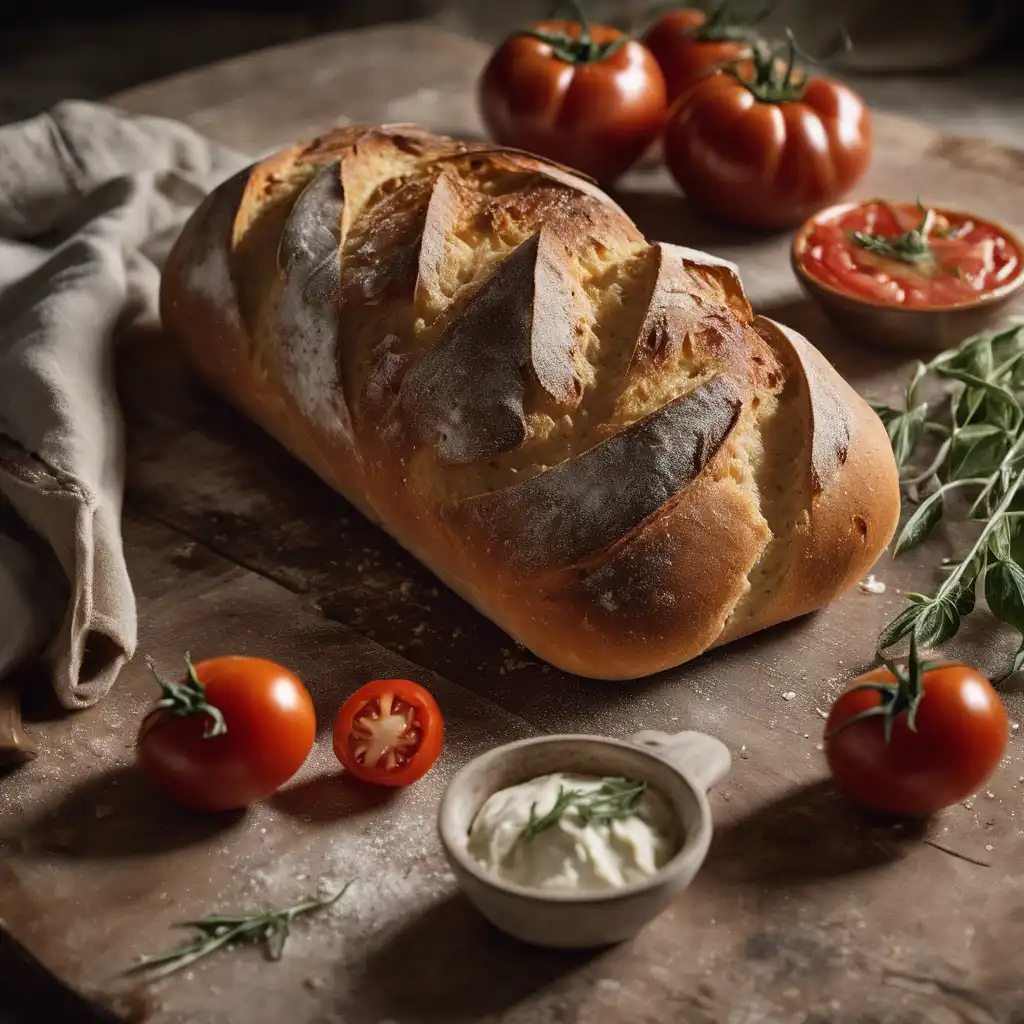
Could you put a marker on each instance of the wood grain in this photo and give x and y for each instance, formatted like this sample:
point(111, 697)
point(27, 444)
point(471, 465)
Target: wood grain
point(806, 910)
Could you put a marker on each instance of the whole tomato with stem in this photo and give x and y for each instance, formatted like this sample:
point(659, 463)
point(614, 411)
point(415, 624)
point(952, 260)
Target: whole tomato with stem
point(688, 43)
point(765, 145)
point(585, 95)
point(232, 732)
point(913, 741)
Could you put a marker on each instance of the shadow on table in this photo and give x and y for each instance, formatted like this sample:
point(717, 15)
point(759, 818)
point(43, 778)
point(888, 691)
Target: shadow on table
point(663, 213)
point(331, 797)
point(449, 966)
point(811, 833)
point(853, 359)
point(117, 814)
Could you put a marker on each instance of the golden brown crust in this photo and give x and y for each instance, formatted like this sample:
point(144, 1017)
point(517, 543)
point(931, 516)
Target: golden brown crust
point(854, 485)
point(590, 438)
point(652, 461)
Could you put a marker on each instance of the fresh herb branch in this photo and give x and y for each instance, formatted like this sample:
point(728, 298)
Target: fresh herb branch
point(189, 698)
point(269, 927)
point(976, 428)
point(615, 800)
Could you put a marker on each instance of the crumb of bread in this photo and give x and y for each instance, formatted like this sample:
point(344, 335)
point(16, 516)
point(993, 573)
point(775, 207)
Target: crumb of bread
point(870, 585)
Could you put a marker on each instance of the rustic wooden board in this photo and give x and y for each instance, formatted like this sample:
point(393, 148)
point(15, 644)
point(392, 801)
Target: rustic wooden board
point(806, 909)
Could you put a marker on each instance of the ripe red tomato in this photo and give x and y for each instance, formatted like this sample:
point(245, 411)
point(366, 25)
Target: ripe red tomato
point(687, 44)
point(582, 95)
point(942, 747)
point(231, 733)
point(389, 732)
point(768, 147)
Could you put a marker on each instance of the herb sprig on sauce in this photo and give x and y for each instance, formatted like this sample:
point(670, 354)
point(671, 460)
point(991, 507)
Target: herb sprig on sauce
point(615, 800)
point(912, 246)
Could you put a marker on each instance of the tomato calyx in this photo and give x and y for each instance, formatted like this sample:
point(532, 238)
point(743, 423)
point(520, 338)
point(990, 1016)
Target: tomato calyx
point(900, 697)
point(580, 48)
point(189, 698)
point(723, 26)
point(771, 73)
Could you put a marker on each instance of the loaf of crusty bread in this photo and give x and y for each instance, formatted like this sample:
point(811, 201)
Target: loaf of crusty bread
point(588, 436)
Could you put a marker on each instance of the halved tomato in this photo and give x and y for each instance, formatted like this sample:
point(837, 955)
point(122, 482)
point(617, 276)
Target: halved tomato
point(389, 732)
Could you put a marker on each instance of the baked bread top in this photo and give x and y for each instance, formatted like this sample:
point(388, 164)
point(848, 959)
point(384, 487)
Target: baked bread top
point(588, 435)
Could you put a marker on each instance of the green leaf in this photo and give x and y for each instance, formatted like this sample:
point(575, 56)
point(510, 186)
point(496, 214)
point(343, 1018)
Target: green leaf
point(900, 626)
point(939, 621)
point(971, 571)
point(1004, 592)
point(995, 409)
point(1007, 342)
point(977, 450)
point(1017, 543)
point(920, 372)
point(966, 405)
point(974, 356)
point(920, 524)
point(904, 433)
point(1000, 541)
point(964, 598)
point(1018, 660)
point(886, 413)
point(1004, 407)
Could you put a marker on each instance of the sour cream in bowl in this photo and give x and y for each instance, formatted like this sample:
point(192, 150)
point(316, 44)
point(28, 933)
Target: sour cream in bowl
point(574, 833)
point(574, 842)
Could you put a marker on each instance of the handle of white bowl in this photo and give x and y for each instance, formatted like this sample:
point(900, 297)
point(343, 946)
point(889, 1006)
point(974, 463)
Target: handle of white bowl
point(702, 758)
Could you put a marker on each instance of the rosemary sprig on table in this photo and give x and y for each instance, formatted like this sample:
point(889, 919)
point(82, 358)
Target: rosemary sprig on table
point(270, 927)
point(972, 440)
point(615, 800)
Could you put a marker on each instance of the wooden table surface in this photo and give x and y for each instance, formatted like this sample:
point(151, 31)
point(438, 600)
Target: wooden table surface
point(806, 911)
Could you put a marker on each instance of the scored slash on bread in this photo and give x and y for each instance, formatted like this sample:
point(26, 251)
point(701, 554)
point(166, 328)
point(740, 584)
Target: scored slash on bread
point(590, 437)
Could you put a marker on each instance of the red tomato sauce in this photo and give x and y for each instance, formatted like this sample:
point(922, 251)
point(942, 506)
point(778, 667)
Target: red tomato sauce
point(969, 257)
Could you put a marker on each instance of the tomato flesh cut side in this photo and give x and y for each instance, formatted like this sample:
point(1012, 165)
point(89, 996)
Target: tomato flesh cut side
point(385, 734)
point(389, 732)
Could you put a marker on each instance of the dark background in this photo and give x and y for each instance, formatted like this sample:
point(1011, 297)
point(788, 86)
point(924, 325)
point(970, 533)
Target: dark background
point(967, 52)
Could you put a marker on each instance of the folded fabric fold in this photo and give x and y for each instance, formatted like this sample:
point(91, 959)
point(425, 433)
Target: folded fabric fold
point(90, 201)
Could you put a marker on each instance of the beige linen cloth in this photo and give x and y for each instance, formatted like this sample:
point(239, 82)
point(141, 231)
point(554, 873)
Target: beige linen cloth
point(90, 201)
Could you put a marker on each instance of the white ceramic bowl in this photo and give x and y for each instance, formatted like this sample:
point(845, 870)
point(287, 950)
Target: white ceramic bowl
point(680, 767)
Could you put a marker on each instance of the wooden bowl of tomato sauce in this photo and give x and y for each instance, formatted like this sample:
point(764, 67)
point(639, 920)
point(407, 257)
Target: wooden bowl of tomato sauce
point(903, 275)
